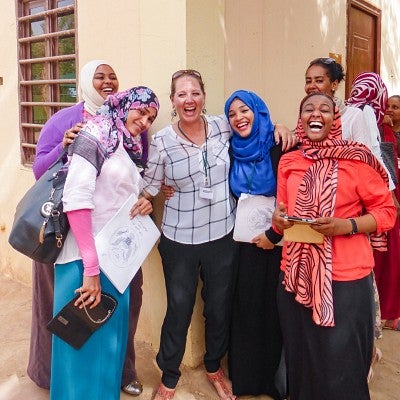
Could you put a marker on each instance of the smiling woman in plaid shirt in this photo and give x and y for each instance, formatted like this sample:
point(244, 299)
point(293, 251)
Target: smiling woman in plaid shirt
point(192, 157)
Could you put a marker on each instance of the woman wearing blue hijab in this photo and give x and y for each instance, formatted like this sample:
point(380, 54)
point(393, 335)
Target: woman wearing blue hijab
point(255, 349)
point(252, 170)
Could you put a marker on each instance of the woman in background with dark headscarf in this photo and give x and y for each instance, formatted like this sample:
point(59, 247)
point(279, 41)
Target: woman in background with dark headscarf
point(102, 175)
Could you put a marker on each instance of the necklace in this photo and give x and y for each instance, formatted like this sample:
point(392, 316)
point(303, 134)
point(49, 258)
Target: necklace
point(187, 137)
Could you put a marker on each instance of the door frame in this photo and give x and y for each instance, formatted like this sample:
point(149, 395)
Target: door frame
point(375, 12)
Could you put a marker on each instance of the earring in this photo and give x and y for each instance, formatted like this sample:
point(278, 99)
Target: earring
point(204, 110)
point(173, 113)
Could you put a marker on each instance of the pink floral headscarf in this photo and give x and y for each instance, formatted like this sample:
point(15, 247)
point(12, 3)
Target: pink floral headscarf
point(101, 135)
point(112, 115)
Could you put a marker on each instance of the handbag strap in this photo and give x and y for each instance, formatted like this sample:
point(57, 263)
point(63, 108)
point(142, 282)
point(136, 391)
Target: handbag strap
point(55, 213)
point(99, 321)
point(60, 157)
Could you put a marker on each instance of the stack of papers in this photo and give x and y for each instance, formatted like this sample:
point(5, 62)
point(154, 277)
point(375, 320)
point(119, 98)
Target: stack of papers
point(123, 244)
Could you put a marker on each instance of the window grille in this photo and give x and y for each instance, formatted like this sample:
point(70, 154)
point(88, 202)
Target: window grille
point(47, 66)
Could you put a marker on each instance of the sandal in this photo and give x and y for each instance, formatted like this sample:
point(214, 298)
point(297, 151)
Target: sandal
point(393, 324)
point(221, 384)
point(376, 357)
point(370, 375)
point(163, 393)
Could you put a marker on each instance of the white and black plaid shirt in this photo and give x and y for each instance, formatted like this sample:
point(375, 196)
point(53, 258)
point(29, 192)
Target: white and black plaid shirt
point(189, 218)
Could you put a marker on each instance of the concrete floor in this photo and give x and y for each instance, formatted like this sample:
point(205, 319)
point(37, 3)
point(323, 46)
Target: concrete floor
point(15, 316)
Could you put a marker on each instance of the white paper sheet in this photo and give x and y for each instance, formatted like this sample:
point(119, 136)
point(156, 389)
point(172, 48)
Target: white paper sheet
point(253, 216)
point(124, 243)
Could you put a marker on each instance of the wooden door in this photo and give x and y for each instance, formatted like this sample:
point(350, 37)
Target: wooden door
point(363, 39)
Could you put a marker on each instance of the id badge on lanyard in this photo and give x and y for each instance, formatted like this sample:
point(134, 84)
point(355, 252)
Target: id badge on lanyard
point(206, 192)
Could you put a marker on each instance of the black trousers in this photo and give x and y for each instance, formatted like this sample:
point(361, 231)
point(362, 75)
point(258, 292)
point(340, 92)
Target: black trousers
point(255, 346)
point(329, 363)
point(215, 261)
point(129, 373)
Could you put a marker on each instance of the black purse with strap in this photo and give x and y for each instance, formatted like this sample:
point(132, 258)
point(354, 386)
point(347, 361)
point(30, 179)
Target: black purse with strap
point(40, 226)
point(75, 325)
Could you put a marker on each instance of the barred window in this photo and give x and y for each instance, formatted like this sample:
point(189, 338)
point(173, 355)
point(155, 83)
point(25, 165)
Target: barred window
point(47, 65)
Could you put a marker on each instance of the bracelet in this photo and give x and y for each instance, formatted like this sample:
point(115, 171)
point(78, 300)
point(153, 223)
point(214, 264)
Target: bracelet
point(272, 236)
point(354, 227)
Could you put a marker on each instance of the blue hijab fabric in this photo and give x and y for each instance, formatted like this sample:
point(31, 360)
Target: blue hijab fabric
point(252, 170)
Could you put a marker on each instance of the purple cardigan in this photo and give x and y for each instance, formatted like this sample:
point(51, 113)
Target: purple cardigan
point(49, 145)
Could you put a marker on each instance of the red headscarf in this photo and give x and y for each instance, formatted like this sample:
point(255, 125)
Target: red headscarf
point(308, 270)
point(368, 88)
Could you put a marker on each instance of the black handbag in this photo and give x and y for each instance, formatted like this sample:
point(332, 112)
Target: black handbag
point(75, 325)
point(40, 226)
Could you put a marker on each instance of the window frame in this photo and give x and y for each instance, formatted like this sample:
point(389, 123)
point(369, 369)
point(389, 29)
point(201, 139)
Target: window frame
point(51, 84)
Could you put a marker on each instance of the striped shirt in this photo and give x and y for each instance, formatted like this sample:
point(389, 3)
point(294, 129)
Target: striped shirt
point(189, 218)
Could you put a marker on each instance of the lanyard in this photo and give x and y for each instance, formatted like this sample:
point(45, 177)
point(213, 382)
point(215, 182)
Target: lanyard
point(250, 181)
point(203, 153)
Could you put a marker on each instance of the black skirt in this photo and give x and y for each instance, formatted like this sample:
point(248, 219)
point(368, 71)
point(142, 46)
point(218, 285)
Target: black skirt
point(329, 363)
point(255, 349)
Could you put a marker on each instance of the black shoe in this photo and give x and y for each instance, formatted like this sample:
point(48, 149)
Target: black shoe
point(134, 388)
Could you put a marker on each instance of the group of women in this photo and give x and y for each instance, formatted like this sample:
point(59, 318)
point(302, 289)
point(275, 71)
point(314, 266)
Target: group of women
point(207, 163)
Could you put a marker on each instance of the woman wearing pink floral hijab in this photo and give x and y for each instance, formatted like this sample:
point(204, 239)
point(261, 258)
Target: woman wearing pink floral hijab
point(102, 175)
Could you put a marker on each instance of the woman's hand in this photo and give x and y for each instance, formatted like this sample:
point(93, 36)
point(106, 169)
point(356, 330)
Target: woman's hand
point(71, 133)
point(387, 120)
point(142, 207)
point(90, 292)
point(330, 226)
point(167, 191)
point(289, 139)
point(277, 218)
point(262, 242)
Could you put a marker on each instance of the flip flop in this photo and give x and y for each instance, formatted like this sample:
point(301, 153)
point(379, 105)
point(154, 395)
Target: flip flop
point(393, 325)
point(376, 357)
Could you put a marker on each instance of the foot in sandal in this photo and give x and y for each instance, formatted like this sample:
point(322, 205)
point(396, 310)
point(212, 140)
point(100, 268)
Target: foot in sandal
point(393, 324)
point(163, 393)
point(221, 384)
point(376, 357)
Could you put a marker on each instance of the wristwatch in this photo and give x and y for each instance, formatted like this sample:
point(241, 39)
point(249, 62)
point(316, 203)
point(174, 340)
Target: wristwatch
point(354, 227)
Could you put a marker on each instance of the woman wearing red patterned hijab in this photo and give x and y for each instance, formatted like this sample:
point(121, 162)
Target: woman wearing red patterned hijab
point(326, 299)
point(368, 88)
